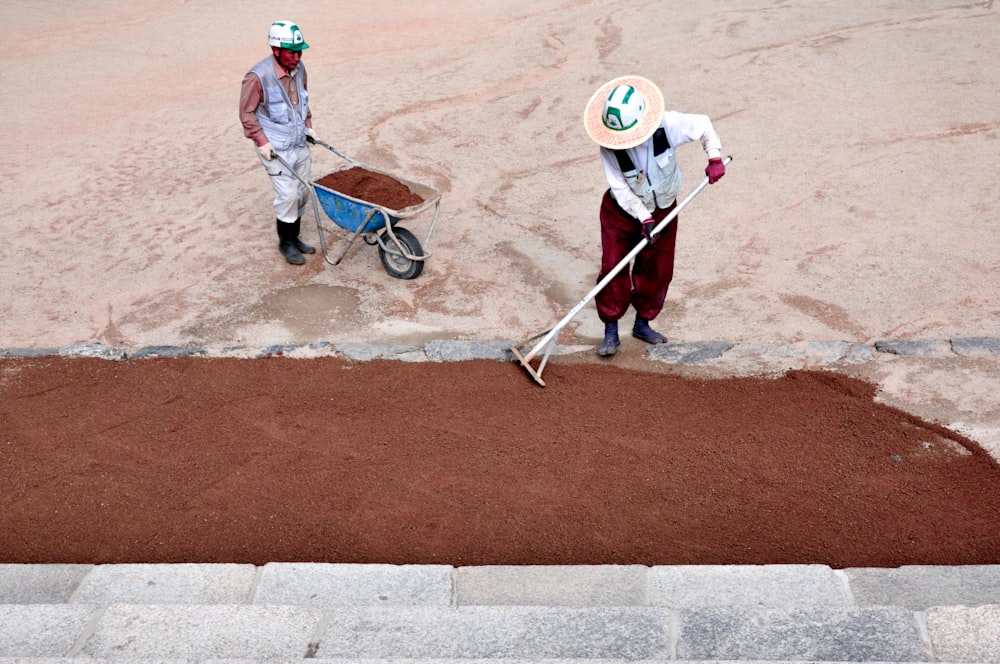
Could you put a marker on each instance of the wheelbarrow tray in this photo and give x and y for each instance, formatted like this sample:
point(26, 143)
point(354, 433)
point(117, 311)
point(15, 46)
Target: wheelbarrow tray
point(350, 213)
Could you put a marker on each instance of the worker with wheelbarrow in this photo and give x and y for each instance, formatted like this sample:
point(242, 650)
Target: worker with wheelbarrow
point(626, 117)
point(274, 111)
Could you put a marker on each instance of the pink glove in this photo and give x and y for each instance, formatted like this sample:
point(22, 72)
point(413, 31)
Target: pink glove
point(715, 170)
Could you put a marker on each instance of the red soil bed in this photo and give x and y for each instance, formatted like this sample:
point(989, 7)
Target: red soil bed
point(226, 460)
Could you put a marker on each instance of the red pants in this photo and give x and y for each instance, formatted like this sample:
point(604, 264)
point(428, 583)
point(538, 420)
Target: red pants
point(653, 268)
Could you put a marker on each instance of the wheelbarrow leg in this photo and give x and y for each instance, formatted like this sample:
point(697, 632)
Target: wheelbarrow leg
point(354, 236)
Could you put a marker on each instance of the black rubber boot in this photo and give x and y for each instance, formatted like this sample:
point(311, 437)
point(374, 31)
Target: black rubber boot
point(642, 330)
point(299, 244)
point(286, 245)
point(611, 342)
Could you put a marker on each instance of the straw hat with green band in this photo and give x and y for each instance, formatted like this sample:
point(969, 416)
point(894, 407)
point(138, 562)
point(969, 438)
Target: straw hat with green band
point(624, 112)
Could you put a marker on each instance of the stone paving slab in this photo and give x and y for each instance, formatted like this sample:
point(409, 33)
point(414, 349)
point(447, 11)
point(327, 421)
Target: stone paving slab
point(919, 587)
point(965, 634)
point(457, 351)
point(976, 346)
point(825, 352)
point(526, 632)
point(755, 586)
point(221, 583)
point(330, 585)
point(40, 584)
point(688, 353)
point(363, 352)
point(150, 352)
point(202, 632)
point(916, 348)
point(865, 635)
point(42, 630)
point(555, 585)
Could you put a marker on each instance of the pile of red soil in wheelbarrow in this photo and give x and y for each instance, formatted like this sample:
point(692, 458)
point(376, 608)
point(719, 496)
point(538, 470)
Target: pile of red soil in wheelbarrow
point(371, 187)
point(472, 463)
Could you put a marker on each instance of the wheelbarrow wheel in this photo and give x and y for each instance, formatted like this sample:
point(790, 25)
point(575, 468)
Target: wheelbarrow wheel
point(397, 265)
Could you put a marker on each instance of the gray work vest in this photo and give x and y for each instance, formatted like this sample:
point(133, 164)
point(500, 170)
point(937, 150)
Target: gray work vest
point(283, 124)
point(660, 184)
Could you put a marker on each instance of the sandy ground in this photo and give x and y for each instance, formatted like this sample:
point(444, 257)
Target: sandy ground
point(861, 204)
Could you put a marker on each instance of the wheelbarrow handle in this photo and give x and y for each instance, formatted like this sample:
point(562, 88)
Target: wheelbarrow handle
point(316, 141)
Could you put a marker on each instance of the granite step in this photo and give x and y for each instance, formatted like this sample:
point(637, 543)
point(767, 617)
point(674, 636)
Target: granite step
point(427, 613)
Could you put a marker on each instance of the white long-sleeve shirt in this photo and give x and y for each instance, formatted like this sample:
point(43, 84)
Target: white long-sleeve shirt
point(681, 128)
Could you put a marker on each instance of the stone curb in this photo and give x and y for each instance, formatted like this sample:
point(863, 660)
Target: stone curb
point(915, 587)
point(682, 587)
point(686, 353)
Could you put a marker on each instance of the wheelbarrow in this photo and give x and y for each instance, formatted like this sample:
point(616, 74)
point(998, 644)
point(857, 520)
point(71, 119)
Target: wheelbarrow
point(400, 251)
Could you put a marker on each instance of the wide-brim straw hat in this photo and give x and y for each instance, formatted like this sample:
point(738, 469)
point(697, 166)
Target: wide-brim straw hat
point(593, 114)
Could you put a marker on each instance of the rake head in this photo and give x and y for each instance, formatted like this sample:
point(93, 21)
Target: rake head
point(526, 363)
point(525, 352)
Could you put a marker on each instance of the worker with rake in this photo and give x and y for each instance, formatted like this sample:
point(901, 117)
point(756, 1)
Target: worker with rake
point(274, 112)
point(626, 117)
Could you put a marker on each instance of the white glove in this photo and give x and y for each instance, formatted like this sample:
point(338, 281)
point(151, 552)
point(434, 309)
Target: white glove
point(310, 133)
point(265, 151)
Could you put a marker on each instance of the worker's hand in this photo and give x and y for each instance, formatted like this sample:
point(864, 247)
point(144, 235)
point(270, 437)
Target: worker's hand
point(647, 229)
point(715, 170)
point(310, 134)
point(266, 151)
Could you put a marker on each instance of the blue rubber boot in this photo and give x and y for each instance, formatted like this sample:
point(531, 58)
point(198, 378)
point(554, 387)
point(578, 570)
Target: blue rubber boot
point(611, 342)
point(641, 330)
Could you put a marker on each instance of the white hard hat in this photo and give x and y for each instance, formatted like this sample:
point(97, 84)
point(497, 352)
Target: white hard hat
point(623, 108)
point(285, 34)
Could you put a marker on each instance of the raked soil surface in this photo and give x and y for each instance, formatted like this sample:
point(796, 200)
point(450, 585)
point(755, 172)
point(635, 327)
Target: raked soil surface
point(472, 463)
